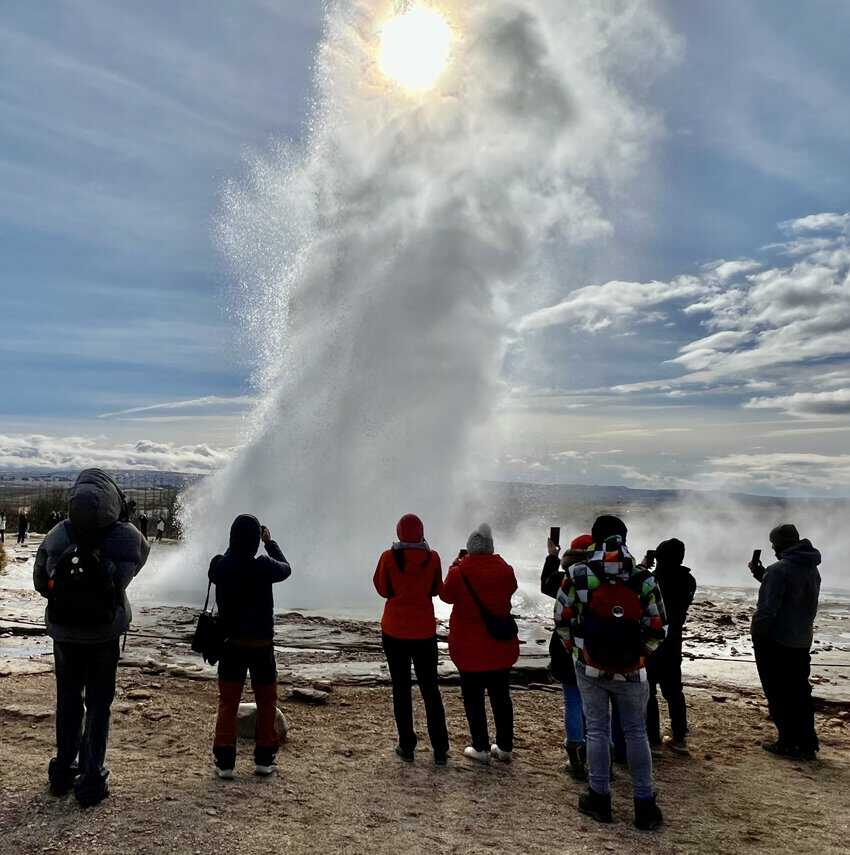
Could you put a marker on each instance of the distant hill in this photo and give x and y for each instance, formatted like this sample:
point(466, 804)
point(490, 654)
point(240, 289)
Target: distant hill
point(126, 477)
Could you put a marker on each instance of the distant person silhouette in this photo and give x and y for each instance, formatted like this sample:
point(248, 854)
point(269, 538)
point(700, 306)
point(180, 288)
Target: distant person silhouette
point(160, 529)
point(2, 527)
point(143, 524)
point(23, 527)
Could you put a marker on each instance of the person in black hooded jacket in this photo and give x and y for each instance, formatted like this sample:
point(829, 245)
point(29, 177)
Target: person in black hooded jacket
point(243, 593)
point(664, 668)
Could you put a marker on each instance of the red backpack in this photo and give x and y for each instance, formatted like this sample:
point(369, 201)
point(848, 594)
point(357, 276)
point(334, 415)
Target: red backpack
point(613, 635)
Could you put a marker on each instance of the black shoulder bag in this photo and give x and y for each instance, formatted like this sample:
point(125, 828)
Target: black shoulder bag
point(500, 628)
point(209, 636)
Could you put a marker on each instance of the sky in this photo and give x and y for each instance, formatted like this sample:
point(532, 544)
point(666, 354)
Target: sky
point(704, 343)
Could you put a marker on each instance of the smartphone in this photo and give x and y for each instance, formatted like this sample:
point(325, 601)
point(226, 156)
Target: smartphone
point(555, 535)
point(650, 555)
point(756, 556)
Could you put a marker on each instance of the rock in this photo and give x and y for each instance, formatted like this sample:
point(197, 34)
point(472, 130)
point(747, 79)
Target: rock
point(16, 711)
point(309, 696)
point(246, 723)
point(139, 695)
point(719, 699)
point(725, 620)
point(323, 686)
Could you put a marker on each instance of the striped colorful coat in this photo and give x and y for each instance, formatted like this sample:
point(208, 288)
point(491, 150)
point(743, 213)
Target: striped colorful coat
point(609, 559)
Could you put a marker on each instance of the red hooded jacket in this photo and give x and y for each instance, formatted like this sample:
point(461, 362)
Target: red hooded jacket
point(409, 610)
point(471, 647)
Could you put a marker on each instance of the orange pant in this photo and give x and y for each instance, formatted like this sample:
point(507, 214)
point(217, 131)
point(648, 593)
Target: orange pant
point(233, 668)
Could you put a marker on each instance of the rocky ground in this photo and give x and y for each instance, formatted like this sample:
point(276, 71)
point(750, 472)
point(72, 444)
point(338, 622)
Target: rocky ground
point(340, 788)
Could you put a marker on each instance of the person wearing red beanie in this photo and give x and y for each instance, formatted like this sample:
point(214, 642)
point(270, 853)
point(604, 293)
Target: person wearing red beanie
point(409, 576)
point(561, 665)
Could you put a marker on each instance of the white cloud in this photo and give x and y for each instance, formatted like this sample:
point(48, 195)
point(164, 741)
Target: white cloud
point(596, 307)
point(832, 403)
point(787, 472)
point(215, 402)
point(37, 451)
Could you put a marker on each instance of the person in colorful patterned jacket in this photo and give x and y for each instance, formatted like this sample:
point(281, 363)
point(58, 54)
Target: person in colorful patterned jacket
point(610, 616)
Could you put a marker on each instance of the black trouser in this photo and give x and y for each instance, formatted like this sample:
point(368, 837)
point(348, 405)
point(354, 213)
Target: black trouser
point(784, 673)
point(83, 669)
point(422, 653)
point(496, 684)
point(664, 670)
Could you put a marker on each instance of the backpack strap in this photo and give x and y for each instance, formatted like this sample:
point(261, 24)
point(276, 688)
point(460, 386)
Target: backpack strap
point(207, 600)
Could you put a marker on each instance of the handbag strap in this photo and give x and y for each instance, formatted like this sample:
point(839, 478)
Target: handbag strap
point(207, 600)
point(485, 612)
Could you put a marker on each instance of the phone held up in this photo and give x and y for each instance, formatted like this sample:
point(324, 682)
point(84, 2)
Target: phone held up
point(555, 535)
point(756, 557)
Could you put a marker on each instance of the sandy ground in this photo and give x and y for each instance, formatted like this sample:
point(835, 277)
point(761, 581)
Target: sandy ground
point(340, 788)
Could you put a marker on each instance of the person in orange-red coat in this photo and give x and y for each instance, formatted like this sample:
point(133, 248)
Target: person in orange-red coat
point(481, 578)
point(409, 576)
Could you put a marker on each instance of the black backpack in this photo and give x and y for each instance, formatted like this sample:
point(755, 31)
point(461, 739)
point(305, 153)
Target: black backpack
point(82, 590)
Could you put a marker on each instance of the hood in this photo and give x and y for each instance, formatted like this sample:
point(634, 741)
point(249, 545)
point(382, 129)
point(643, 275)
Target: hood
point(802, 553)
point(670, 553)
point(410, 529)
point(95, 502)
point(245, 535)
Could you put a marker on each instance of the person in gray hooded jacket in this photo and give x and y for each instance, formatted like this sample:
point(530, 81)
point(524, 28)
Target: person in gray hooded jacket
point(86, 624)
point(782, 631)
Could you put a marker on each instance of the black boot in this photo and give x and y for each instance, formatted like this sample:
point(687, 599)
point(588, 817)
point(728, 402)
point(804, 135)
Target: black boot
point(91, 789)
point(596, 805)
point(61, 779)
point(647, 814)
point(577, 754)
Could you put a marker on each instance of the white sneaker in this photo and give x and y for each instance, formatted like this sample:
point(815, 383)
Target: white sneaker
point(224, 774)
point(264, 771)
point(497, 754)
point(479, 756)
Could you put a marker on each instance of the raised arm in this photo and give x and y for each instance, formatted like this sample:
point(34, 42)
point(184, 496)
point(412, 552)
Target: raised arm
point(552, 576)
point(770, 599)
point(278, 565)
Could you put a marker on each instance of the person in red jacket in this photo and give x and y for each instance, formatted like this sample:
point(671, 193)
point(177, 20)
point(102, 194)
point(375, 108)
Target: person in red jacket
point(480, 578)
point(409, 576)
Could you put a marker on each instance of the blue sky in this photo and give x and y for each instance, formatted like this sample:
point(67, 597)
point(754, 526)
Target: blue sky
point(120, 123)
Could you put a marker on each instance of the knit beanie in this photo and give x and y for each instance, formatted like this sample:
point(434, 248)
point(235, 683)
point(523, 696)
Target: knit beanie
point(784, 537)
point(607, 526)
point(581, 543)
point(410, 529)
point(480, 542)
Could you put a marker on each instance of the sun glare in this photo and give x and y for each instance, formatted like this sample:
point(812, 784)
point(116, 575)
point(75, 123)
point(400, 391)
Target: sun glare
point(415, 47)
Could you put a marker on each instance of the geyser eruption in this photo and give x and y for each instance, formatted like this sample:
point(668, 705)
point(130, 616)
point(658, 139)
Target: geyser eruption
point(380, 264)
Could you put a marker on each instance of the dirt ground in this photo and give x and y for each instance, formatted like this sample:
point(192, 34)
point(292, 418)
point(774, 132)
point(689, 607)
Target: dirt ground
point(340, 789)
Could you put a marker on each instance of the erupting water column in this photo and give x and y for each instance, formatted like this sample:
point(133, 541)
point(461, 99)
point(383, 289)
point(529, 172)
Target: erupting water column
point(379, 265)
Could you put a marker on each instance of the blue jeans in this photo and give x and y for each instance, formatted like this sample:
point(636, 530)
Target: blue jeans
point(631, 698)
point(573, 714)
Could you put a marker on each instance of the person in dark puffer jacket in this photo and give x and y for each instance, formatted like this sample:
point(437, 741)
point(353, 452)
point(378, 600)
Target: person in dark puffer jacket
point(86, 655)
point(243, 593)
point(409, 576)
point(782, 632)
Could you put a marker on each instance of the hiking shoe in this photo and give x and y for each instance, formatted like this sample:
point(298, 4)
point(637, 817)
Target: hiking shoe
point(596, 805)
point(479, 756)
point(405, 754)
point(648, 815)
point(576, 754)
point(679, 746)
point(502, 756)
point(224, 774)
point(61, 779)
point(656, 749)
point(441, 758)
point(263, 771)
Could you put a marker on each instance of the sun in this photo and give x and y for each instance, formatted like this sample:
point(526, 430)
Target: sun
point(414, 48)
